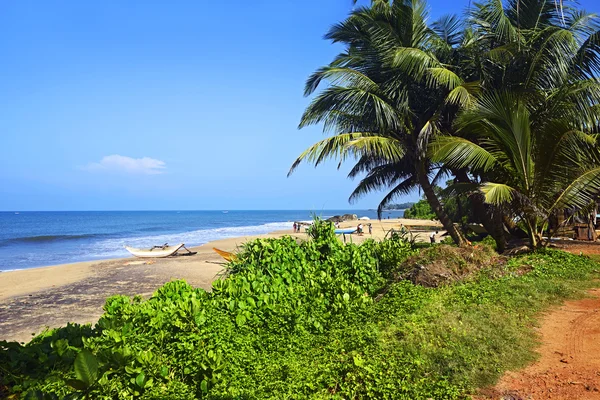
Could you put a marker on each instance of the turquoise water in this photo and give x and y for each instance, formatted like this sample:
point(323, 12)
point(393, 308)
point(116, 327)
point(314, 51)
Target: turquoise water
point(32, 239)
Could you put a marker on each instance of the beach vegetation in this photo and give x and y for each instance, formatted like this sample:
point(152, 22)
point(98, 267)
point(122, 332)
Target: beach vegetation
point(420, 210)
point(313, 319)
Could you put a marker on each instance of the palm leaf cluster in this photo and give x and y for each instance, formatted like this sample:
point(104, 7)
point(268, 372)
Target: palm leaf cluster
point(505, 99)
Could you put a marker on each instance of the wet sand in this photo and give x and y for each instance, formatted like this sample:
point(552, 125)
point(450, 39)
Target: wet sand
point(35, 299)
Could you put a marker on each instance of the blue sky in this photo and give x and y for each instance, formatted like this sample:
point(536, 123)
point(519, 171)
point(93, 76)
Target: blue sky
point(127, 105)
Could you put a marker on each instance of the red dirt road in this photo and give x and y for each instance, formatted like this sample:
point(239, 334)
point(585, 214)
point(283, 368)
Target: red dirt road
point(569, 366)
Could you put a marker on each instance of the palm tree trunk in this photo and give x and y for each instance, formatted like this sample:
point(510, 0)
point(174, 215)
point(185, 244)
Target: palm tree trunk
point(535, 237)
point(490, 218)
point(436, 206)
point(592, 224)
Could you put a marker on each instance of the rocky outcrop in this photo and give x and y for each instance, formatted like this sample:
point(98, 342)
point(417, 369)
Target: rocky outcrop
point(342, 218)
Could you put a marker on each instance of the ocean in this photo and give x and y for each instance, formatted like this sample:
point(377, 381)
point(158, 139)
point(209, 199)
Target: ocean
point(38, 238)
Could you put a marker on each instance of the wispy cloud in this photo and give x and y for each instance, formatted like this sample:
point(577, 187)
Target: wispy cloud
point(128, 165)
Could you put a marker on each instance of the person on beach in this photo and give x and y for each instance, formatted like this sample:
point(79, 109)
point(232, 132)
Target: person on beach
point(359, 229)
point(432, 236)
point(295, 228)
point(370, 229)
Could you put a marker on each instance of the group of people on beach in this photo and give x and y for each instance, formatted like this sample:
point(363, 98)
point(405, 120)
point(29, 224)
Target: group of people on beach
point(359, 229)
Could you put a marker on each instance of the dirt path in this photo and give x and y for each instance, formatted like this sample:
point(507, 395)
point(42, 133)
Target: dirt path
point(569, 366)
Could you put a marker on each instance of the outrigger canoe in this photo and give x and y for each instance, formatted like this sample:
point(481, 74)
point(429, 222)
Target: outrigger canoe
point(346, 231)
point(156, 251)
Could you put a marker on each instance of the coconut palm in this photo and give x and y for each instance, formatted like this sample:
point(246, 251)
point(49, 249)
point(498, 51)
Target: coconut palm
point(389, 94)
point(528, 139)
point(535, 166)
point(528, 44)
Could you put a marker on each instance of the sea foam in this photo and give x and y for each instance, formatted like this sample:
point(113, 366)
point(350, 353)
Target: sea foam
point(109, 248)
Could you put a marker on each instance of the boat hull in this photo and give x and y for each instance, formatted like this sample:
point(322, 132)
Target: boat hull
point(154, 253)
point(346, 231)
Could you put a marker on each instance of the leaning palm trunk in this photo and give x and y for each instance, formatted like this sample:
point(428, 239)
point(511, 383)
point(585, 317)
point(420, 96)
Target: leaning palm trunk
point(437, 208)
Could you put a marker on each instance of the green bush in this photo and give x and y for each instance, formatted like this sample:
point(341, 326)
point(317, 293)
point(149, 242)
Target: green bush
point(420, 210)
point(299, 320)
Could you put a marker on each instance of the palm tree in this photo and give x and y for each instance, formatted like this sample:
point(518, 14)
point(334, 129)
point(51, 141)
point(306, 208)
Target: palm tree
point(535, 166)
point(389, 95)
point(528, 138)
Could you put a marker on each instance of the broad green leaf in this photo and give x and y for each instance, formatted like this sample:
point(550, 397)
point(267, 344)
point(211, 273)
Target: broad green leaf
point(76, 384)
point(140, 380)
point(86, 367)
point(164, 371)
point(240, 320)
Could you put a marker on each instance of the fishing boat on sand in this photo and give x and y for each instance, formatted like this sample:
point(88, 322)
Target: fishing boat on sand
point(157, 251)
point(346, 231)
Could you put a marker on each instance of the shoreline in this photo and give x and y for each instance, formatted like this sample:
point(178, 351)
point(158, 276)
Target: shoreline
point(348, 224)
point(35, 299)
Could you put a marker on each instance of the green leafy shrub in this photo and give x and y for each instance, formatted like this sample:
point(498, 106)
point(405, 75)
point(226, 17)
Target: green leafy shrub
point(392, 253)
point(300, 320)
point(420, 210)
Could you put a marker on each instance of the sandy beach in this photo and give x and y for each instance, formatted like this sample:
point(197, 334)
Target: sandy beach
point(35, 299)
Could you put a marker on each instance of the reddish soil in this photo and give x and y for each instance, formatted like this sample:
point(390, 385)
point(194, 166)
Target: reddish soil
point(579, 247)
point(569, 366)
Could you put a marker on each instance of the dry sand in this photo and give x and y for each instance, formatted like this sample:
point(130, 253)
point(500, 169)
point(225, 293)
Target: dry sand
point(34, 299)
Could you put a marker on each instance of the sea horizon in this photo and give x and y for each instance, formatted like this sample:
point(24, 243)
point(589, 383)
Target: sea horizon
point(31, 239)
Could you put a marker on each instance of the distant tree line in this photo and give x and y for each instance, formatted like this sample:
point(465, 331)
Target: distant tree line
point(399, 206)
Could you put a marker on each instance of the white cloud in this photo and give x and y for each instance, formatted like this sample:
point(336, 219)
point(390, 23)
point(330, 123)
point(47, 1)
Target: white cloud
point(123, 164)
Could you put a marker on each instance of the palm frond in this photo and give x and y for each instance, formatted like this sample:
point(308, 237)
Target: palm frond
point(403, 188)
point(385, 148)
point(339, 76)
point(449, 28)
point(354, 101)
point(497, 193)
point(459, 152)
point(443, 77)
point(584, 189)
point(380, 178)
point(461, 97)
point(413, 61)
point(334, 147)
